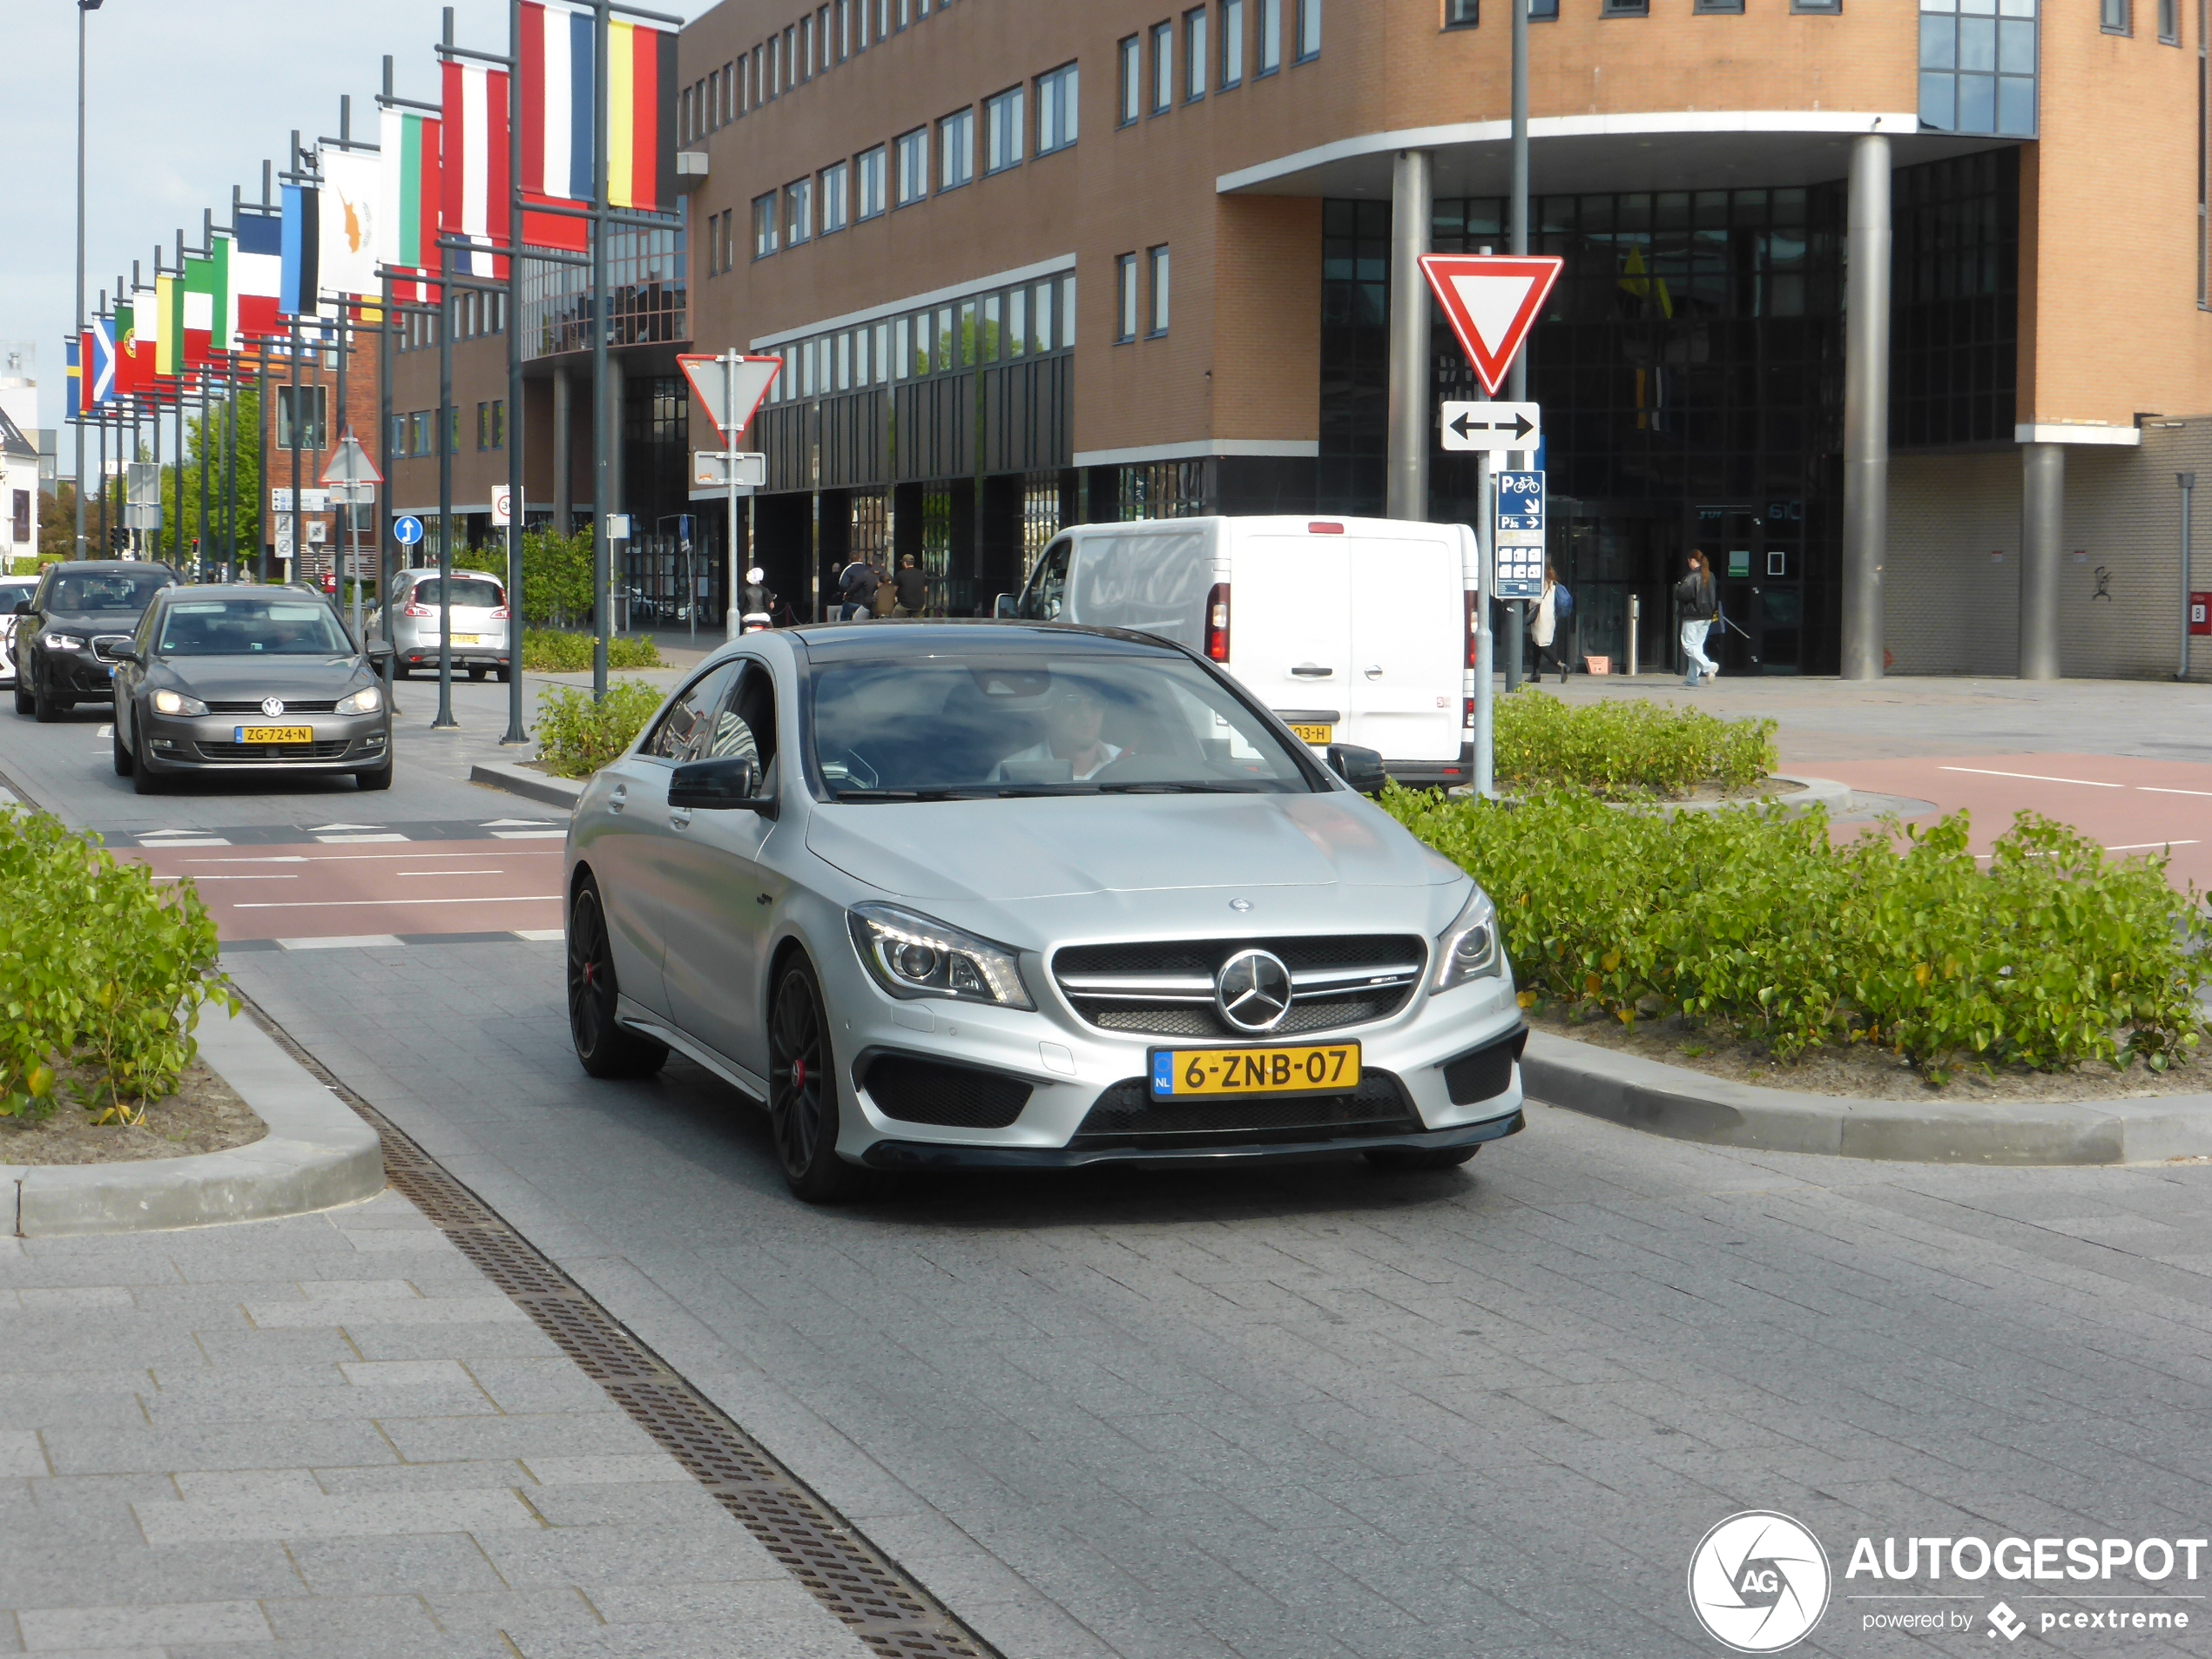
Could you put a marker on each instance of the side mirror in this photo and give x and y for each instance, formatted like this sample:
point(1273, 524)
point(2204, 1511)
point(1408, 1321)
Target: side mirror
point(1005, 605)
point(1361, 768)
point(23, 607)
point(732, 784)
point(379, 652)
point(124, 654)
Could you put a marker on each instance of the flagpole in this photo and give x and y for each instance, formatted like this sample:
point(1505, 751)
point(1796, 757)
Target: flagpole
point(83, 368)
point(516, 731)
point(445, 465)
point(602, 446)
point(383, 448)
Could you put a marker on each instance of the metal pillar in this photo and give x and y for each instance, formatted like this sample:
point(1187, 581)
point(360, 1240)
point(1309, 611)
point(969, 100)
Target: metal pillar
point(206, 532)
point(1517, 376)
point(298, 533)
point(386, 548)
point(83, 368)
point(444, 717)
point(564, 496)
point(1405, 489)
point(2188, 481)
point(515, 732)
point(2042, 528)
point(1866, 407)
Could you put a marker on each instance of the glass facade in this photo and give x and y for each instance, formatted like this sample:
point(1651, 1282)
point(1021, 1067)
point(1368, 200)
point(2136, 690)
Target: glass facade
point(1955, 301)
point(646, 300)
point(1977, 66)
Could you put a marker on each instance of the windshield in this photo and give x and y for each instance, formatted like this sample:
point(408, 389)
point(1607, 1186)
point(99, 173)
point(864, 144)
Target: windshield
point(251, 627)
point(467, 590)
point(128, 591)
point(982, 724)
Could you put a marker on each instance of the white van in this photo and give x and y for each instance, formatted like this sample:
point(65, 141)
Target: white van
point(1354, 631)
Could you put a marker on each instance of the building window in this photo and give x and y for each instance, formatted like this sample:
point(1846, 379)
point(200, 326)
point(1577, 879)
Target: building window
point(1734, 6)
point(1543, 11)
point(1125, 293)
point(913, 149)
point(1004, 127)
point(1057, 105)
point(1232, 43)
point(300, 415)
point(1162, 67)
point(1625, 9)
point(1270, 37)
point(491, 425)
point(1829, 6)
point(798, 211)
point(1464, 14)
point(1194, 53)
point(764, 225)
point(835, 205)
point(2116, 16)
point(2170, 22)
point(1132, 52)
point(1978, 72)
point(1157, 259)
point(956, 149)
point(870, 164)
point(805, 48)
point(1309, 30)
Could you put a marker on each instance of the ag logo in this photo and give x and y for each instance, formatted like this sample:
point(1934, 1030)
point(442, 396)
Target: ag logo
point(1758, 1581)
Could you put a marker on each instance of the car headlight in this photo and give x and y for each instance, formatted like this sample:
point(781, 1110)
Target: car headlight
point(368, 700)
point(64, 641)
point(912, 956)
point(176, 703)
point(1469, 949)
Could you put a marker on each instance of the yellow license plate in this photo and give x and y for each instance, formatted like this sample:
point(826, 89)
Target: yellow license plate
point(274, 733)
point(1327, 1068)
point(468, 639)
point(1319, 736)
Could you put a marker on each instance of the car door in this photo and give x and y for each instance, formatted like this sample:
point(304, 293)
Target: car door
point(717, 945)
point(1046, 596)
point(129, 676)
point(629, 847)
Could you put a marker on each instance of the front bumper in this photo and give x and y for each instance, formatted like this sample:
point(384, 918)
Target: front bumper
point(922, 1155)
point(209, 743)
point(77, 673)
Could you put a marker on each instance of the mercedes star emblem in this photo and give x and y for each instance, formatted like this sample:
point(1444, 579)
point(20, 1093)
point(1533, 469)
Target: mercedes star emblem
point(1253, 990)
point(273, 706)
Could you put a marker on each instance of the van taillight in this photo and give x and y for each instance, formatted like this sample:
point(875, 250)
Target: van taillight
point(1320, 527)
point(1466, 712)
point(1217, 623)
point(1474, 645)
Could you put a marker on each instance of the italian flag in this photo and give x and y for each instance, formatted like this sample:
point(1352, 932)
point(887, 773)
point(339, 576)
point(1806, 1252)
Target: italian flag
point(206, 303)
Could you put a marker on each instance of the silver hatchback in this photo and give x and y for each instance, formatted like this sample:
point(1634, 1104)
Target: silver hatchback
point(480, 625)
point(1021, 896)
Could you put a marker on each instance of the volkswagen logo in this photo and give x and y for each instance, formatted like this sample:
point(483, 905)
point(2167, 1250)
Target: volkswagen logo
point(273, 706)
point(1253, 990)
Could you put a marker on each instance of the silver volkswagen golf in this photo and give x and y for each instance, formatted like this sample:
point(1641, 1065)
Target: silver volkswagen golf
point(1018, 896)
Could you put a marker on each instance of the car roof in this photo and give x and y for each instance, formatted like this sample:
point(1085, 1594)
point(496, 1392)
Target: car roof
point(833, 639)
point(67, 566)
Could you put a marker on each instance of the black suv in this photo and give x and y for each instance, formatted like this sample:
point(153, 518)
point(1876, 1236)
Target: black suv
point(67, 631)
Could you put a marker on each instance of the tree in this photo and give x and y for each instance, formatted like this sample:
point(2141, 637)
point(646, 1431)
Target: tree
point(58, 525)
point(180, 510)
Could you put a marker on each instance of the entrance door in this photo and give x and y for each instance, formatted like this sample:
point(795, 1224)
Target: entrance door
point(1621, 564)
point(1757, 551)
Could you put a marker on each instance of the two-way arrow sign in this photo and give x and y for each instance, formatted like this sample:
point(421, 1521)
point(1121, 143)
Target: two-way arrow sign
point(1493, 426)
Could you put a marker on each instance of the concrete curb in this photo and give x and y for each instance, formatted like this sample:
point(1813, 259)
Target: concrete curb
point(1818, 791)
point(318, 1153)
point(527, 782)
point(1688, 1105)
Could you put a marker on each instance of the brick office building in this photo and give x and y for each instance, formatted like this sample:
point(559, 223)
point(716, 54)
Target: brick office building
point(1029, 264)
point(304, 423)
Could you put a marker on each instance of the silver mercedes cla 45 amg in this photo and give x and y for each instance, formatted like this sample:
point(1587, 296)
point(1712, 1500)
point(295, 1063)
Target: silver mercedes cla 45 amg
point(1020, 896)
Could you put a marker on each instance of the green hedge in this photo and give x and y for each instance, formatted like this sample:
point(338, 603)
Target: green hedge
point(106, 973)
point(547, 651)
point(2049, 955)
point(1624, 750)
point(576, 736)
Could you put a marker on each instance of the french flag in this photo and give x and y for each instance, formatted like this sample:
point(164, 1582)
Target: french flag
point(555, 150)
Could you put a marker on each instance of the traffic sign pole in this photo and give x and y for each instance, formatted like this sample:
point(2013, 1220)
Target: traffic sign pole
point(731, 388)
point(732, 623)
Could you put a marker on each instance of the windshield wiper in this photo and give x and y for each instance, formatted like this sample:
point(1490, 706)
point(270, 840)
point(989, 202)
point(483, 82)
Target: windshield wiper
point(1160, 788)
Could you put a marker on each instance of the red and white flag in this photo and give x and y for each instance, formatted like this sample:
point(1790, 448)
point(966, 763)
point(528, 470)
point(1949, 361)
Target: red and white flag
point(475, 182)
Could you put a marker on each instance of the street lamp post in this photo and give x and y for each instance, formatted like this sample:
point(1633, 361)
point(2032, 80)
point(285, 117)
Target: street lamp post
point(83, 370)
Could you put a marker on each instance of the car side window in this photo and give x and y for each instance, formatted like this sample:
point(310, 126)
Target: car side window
point(685, 730)
point(745, 722)
point(1048, 593)
point(143, 642)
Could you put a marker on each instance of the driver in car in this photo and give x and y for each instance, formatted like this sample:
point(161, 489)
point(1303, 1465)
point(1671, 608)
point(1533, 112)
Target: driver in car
point(1072, 725)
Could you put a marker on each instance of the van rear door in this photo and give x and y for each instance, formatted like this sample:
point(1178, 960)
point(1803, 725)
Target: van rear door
point(1290, 628)
point(1407, 617)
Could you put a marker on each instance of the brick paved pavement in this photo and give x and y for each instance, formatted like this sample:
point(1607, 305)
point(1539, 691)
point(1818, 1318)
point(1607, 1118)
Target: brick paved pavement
point(334, 1436)
point(1318, 1413)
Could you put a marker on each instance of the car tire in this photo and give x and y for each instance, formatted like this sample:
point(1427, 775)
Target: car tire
point(604, 1048)
point(506, 675)
point(379, 778)
point(24, 703)
point(123, 767)
point(145, 780)
point(1407, 1160)
point(46, 710)
point(475, 673)
point(802, 1091)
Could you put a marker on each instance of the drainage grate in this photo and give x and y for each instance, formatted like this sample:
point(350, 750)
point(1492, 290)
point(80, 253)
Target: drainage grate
point(883, 1608)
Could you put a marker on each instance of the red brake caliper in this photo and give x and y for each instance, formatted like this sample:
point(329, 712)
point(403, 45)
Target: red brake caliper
point(799, 1074)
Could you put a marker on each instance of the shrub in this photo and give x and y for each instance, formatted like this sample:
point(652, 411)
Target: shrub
point(106, 973)
point(2051, 956)
point(556, 573)
point(546, 650)
point(1622, 750)
point(576, 736)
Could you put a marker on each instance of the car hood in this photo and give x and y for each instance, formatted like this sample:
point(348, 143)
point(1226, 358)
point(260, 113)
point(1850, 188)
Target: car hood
point(94, 622)
point(233, 679)
point(994, 850)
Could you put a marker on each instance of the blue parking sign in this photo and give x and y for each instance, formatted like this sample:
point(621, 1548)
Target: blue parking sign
point(1520, 503)
point(1520, 539)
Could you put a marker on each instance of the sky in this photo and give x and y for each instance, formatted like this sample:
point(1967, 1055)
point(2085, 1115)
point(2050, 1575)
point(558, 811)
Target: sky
point(184, 98)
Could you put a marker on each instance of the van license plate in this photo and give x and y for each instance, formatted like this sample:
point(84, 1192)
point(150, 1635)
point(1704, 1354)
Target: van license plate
point(273, 734)
point(1319, 736)
point(1328, 1068)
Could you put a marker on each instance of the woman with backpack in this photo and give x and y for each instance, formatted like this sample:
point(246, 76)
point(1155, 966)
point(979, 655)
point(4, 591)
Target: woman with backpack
point(1548, 631)
point(1699, 598)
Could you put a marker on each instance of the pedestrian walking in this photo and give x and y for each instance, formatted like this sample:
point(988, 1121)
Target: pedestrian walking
point(912, 588)
point(1548, 631)
point(1699, 598)
point(759, 604)
point(856, 589)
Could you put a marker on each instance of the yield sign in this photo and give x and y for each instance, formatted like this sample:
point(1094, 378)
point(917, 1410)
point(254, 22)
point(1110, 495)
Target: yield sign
point(1492, 301)
point(731, 387)
point(350, 463)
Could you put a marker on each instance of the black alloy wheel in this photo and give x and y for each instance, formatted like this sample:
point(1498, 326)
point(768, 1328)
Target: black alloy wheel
point(802, 1091)
point(1406, 1160)
point(24, 705)
point(122, 755)
point(604, 1047)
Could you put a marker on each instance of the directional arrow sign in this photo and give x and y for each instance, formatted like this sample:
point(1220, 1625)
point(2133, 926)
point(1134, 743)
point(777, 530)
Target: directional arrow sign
point(1492, 301)
point(1492, 425)
point(731, 388)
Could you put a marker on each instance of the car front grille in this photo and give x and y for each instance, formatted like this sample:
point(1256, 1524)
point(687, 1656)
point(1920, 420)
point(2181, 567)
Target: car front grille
point(1166, 988)
point(1126, 1115)
point(105, 645)
point(326, 706)
point(330, 750)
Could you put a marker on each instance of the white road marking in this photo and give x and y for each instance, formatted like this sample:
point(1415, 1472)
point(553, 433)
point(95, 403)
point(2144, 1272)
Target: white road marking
point(2138, 846)
point(340, 943)
point(513, 823)
point(2152, 789)
point(408, 872)
point(540, 935)
point(345, 840)
point(358, 904)
point(2033, 777)
point(530, 835)
point(273, 876)
point(354, 857)
point(185, 840)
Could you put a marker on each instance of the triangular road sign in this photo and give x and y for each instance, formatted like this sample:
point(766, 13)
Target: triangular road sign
point(712, 379)
point(1492, 301)
point(350, 463)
